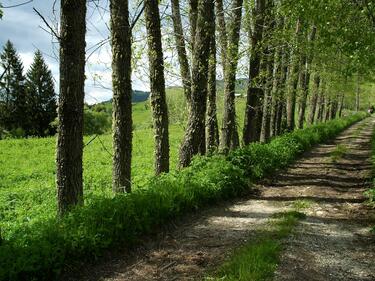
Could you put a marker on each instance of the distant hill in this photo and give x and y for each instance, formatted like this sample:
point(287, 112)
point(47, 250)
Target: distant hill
point(138, 96)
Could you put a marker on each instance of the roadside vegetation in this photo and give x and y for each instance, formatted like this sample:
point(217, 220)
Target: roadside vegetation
point(32, 235)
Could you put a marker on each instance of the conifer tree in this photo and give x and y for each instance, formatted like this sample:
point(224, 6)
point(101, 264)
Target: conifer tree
point(12, 90)
point(41, 97)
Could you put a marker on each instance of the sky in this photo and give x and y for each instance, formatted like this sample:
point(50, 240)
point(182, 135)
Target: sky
point(27, 31)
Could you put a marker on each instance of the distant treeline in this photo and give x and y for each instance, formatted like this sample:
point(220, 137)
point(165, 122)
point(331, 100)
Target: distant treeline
point(27, 102)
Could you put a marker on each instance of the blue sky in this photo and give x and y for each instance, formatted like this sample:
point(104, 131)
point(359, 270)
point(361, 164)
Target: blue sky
point(22, 26)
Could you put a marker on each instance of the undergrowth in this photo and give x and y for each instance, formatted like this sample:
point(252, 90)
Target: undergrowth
point(41, 249)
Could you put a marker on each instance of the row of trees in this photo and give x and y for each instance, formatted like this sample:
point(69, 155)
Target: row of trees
point(300, 53)
point(27, 103)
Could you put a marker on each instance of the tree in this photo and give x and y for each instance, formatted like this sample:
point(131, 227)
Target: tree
point(305, 79)
point(71, 102)
point(293, 76)
point(12, 92)
point(314, 98)
point(181, 49)
point(158, 99)
point(41, 97)
point(229, 134)
point(212, 136)
point(192, 142)
point(254, 90)
point(122, 95)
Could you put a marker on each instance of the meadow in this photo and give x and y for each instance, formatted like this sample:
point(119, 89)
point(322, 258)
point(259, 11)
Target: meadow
point(27, 174)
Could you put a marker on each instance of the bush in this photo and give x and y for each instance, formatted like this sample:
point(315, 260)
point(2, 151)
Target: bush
point(40, 251)
point(96, 122)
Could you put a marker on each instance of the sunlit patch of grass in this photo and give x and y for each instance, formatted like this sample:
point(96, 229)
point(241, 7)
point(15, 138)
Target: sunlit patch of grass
point(338, 152)
point(301, 204)
point(258, 259)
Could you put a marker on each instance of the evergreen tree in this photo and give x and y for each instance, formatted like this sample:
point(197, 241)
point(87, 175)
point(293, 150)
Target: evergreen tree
point(12, 90)
point(41, 97)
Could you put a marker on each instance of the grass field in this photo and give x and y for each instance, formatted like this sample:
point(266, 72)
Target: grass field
point(27, 174)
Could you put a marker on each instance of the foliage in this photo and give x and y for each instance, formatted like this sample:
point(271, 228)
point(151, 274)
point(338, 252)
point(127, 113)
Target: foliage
point(37, 246)
point(95, 122)
point(12, 90)
point(27, 105)
point(41, 98)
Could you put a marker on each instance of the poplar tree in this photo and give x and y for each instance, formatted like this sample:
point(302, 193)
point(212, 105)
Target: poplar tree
point(158, 98)
point(193, 140)
point(122, 95)
point(70, 110)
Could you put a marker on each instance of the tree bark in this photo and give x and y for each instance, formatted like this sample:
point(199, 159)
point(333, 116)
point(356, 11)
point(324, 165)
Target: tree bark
point(122, 95)
point(320, 105)
point(222, 29)
point(196, 124)
point(314, 99)
point(327, 112)
point(229, 137)
point(341, 104)
point(357, 95)
point(157, 82)
point(181, 49)
point(265, 124)
point(193, 17)
point(254, 91)
point(70, 110)
point(293, 81)
point(276, 91)
point(212, 129)
point(305, 82)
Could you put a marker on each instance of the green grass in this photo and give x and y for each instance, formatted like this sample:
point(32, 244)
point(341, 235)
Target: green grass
point(258, 259)
point(339, 151)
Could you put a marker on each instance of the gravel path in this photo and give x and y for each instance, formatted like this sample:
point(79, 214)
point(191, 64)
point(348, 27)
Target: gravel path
point(333, 243)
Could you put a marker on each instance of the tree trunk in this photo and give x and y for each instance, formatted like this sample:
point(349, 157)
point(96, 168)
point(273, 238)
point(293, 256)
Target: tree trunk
point(305, 82)
point(341, 104)
point(212, 129)
point(314, 99)
point(70, 111)
point(293, 82)
point(265, 125)
point(327, 112)
point(333, 111)
point(357, 95)
point(157, 82)
point(254, 91)
point(181, 49)
point(122, 95)
point(321, 105)
point(222, 29)
point(193, 16)
point(195, 131)
point(229, 127)
point(276, 91)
